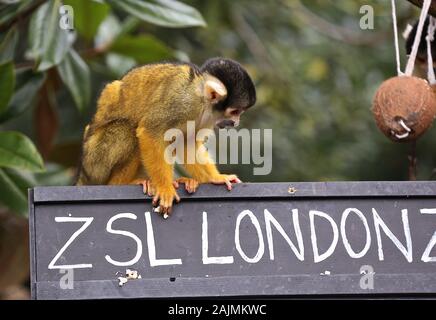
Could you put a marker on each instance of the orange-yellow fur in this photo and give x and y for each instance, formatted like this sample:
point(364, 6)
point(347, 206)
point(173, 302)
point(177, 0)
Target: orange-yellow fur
point(125, 137)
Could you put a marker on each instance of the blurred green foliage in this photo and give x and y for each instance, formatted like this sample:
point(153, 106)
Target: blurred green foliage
point(315, 70)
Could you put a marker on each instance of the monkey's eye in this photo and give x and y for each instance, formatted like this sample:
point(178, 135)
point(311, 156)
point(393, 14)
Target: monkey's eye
point(236, 112)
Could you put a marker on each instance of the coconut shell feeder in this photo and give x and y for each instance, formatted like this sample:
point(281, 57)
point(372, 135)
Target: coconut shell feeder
point(404, 106)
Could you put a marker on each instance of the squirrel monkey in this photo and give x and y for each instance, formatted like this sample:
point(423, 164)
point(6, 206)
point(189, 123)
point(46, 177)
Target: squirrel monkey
point(126, 135)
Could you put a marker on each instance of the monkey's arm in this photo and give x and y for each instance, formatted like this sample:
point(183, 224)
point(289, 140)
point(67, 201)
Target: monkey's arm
point(204, 169)
point(159, 171)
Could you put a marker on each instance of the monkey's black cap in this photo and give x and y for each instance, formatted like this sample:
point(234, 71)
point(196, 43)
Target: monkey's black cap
point(241, 92)
point(422, 49)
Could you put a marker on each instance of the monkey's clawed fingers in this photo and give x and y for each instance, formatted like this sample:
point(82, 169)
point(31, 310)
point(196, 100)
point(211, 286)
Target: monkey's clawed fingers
point(226, 179)
point(191, 185)
point(165, 199)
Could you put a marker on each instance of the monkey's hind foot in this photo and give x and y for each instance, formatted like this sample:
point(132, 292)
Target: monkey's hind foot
point(191, 185)
point(226, 179)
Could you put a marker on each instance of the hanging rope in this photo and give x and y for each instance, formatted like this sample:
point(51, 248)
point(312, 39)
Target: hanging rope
point(411, 61)
point(397, 47)
point(412, 57)
point(430, 37)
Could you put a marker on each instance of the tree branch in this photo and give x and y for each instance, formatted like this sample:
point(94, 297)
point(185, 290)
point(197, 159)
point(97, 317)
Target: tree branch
point(329, 29)
point(419, 3)
point(251, 39)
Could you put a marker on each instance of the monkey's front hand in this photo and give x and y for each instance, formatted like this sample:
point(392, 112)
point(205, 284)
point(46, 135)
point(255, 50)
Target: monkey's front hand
point(162, 195)
point(165, 195)
point(226, 179)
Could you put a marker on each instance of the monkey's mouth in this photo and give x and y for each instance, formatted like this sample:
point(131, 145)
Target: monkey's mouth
point(225, 124)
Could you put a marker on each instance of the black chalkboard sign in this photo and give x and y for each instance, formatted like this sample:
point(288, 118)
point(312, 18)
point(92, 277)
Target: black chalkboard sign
point(273, 239)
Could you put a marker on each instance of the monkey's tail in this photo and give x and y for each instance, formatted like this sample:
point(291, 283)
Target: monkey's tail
point(95, 141)
point(105, 149)
point(81, 177)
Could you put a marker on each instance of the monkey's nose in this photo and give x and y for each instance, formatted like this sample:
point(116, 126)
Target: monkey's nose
point(226, 124)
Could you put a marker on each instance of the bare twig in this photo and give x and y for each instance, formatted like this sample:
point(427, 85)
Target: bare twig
point(251, 39)
point(332, 30)
point(412, 161)
point(95, 52)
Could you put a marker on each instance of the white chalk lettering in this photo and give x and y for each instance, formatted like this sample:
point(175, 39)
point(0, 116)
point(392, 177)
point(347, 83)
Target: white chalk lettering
point(152, 247)
point(87, 221)
point(256, 224)
point(347, 245)
point(205, 247)
point(270, 220)
point(320, 257)
point(426, 255)
point(379, 223)
point(127, 234)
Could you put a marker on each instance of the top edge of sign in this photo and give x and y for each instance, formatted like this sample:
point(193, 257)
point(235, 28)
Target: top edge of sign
point(286, 190)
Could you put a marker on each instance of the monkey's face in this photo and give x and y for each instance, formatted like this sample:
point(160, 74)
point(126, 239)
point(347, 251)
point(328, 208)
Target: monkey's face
point(239, 93)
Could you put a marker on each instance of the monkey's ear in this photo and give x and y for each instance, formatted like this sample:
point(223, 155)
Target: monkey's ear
point(214, 90)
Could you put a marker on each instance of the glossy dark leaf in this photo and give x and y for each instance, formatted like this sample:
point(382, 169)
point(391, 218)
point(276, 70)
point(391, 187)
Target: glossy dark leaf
point(55, 175)
point(17, 151)
point(143, 48)
point(167, 13)
point(49, 43)
point(10, 11)
point(76, 75)
point(8, 44)
point(88, 16)
point(27, 85)
point(13, 190)
point(108, 30)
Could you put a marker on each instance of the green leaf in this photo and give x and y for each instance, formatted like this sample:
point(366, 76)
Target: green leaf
point(12, 10)
point(7, 84)
point(13, 189)
point(166, 13)
point(27, 85)
point(23, 179)
point(55, 175)
point(118, 64)
point(108, 30)
point(75, 74)
point(17, 151)
point(49, 43)
point(8, 44)
point(129, 25)
point(143, 48)
point(88, 15)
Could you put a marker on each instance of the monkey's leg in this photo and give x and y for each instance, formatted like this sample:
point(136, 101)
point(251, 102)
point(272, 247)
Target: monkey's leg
point(160, 172)
point(206, 171)
point(126, 173)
